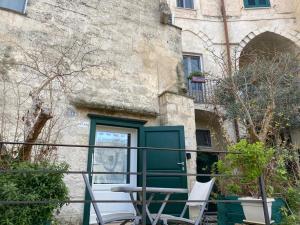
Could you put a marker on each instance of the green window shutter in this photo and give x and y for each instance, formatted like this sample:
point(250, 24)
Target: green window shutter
point(256, 3)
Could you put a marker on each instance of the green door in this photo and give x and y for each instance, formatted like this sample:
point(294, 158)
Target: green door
point(163, 161)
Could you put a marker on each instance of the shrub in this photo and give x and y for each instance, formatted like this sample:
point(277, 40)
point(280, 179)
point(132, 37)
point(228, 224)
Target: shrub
point(251, 162)
point(33, 186)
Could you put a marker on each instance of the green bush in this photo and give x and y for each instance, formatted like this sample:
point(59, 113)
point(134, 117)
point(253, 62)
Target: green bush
point(248, 165)
point(32, 187)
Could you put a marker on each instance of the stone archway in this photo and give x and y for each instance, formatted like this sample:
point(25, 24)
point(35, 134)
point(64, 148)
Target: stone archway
point(266, 43)
point(291, 35)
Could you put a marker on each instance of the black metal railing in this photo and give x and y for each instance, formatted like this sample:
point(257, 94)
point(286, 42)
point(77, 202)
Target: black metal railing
point(202, 91)
point(143, 173)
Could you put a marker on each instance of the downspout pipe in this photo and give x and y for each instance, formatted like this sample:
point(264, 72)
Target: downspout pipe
point(229, 62)
point(226, 32)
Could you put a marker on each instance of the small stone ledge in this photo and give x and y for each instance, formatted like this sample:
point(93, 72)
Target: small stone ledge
point(115, 108)
point(175, 93)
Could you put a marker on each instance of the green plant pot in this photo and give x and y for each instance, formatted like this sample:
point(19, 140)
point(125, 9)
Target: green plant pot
point(232, 213)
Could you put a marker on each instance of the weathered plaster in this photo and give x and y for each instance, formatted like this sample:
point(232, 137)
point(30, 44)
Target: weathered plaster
point(139, 59)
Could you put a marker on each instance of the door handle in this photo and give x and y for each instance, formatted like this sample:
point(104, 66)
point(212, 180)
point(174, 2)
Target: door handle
point(181, 163)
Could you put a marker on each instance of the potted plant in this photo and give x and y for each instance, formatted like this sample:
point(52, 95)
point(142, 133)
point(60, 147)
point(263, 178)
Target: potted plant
point(197, 77)
point(244, 169)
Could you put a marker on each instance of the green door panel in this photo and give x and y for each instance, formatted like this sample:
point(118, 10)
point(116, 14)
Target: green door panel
point(164, 161)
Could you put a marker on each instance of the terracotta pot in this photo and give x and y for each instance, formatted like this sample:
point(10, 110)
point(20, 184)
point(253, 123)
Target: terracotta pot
point(198, 79)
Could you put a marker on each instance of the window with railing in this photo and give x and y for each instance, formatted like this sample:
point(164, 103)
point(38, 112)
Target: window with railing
point(14, 5)
point(256, 3)
point(192, 63)
point(188, 4)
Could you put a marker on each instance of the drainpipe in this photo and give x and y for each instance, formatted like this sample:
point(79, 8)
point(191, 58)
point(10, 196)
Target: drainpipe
point(229, 63)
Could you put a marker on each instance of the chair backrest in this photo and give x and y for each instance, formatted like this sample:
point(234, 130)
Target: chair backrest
point(200, 192)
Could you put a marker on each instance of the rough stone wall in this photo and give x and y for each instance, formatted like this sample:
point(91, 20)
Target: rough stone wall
point(208, 121)
point(139, 60)
point(138, 55)
point(297, 7)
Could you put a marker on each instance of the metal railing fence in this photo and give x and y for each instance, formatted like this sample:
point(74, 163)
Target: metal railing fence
point(143, 173)
point(203, 92)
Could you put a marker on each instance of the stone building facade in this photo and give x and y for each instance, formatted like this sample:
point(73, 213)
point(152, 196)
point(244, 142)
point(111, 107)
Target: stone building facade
point(139, 79)
point(249, 23)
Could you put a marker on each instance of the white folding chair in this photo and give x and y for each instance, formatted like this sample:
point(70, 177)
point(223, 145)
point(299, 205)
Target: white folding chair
point(200, 192)
point(105, 218)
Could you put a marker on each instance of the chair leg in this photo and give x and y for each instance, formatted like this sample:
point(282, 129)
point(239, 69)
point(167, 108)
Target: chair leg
point(165, 222)
point(200, 217)
point(137, 220)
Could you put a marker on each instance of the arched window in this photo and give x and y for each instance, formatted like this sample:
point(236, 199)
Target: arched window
point(14, 5)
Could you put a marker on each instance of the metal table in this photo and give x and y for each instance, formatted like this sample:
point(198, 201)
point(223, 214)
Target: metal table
point(152, 190)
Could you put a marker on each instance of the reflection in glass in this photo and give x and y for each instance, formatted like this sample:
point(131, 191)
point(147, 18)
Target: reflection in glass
point(111, 159)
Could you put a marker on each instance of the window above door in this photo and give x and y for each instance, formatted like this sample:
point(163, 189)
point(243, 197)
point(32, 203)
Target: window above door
point(187, 4)
point(14, 5)
point(192, 63)
point(256, 3)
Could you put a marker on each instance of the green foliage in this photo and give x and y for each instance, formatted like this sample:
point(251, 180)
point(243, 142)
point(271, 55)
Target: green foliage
point(277, 166)
point(248, 162)
point(290, 213)
point(32, 187)
point(196, 74)
point(252, 90)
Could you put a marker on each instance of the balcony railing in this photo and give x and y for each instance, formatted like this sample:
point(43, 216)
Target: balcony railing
point(202, 92)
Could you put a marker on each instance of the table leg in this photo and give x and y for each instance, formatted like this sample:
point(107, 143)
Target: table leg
point(160, 211)
point(147, 208)
point(138, 213)
point(148, 202)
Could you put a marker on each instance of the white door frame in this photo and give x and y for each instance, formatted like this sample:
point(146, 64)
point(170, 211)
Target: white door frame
point(102, 191)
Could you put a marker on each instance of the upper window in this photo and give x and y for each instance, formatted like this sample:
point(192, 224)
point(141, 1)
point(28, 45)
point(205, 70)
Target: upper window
point(203, 138)
point(15, 5)
point(192, 63)
point(188, 4)
point(256, 3)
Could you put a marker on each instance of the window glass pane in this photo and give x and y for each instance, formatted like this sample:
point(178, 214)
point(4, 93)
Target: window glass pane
point(251, 2)
point(262, 2)
point(203, 138)
point(186, 65)
point(195, 63)
point(189, 4)
point(111, 160)
point(16, 5)
point(180, 3)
